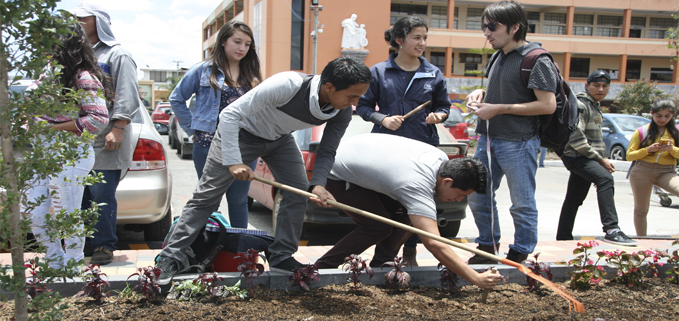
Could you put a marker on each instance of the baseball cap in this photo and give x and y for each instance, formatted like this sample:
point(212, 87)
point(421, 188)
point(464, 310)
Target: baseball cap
point(599, 76)
point(90, 8)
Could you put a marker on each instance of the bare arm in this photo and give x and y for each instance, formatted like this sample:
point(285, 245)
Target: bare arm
point(449, 258)
point(545, 104)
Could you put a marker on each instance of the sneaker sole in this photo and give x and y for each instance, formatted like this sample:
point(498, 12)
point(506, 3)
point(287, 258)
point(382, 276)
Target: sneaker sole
point(105, 262)
point(621, 243)
point(279, 270)
point(167, 281)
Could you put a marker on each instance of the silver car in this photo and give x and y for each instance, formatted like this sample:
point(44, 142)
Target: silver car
point(145, 188)
point(177, 138)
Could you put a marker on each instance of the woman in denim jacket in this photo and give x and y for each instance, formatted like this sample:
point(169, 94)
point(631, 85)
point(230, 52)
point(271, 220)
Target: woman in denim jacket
point(402, 83)
point(235, 56)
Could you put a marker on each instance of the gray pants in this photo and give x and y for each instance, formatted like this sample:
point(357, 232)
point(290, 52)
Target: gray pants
point(287, 166)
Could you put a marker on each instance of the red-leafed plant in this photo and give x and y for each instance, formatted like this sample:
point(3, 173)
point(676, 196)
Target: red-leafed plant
point(396, 278)
point(35, 284)
point(147, 281)
point(94, 283)
point(673, 259)
point(303, 276)
point(249, 268)
point(208, 282)
point(537, 268)
point(354, 265)
point(449, 279)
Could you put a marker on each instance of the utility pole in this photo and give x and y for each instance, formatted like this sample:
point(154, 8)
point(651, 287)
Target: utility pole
point(177, 61)
point(316, 8)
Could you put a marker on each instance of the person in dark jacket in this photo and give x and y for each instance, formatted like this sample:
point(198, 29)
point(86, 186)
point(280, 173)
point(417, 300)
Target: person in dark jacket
point(402, 83)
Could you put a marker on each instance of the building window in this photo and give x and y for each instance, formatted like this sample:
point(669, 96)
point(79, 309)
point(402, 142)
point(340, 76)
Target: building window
point(583, 19)
point(206, 54)
point(257, 27)
point(608, 32)
point(474, 13)
point(661, 74)
point(553, 17)
point(579, 67)
point(408, 9)
point(158, 76)
point(661, 25)
point(636, 25)
point(473, 25)
point(455, 24)
point(633, 70)
point(470, 58)
point(657, 34)
point(206, 33)
point(439, 17)
point(615, 21)
point(554, 30)
point(582, 31)
point(296, 38)
point(470, 67)
point(438, 59)
point(533, 20)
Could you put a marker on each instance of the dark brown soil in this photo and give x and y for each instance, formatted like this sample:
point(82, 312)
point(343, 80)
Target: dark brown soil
point(655, 299)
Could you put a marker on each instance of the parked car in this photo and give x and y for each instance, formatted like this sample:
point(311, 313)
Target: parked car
point(161, 115)
point(449, 214)
point(145, 189)
point(177, 138)
point(617, 131)
point(457, 125)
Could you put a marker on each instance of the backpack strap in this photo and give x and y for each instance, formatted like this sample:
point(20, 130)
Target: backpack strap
point(528, 63)
point(643, 131)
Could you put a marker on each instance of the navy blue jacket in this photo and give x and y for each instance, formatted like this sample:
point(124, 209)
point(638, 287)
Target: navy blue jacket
point(394, 95)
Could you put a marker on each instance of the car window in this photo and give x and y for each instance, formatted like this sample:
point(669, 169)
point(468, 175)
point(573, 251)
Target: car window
point(164, 109)
point(607, 124)
point(630, 123)
point(192, 105)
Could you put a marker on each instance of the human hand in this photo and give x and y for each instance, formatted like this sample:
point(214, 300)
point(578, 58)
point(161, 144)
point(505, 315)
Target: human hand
point(487, 280)
point(654, 148)
point(607, 165)
point(475, 96)
point(242, 172)
point(434, 118)
point(323, 196)
point(392, 122)
point(483, 110)
point(114, 139)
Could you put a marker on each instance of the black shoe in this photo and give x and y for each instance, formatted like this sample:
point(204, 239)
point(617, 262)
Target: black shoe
point(287, 266)
point(88, 251)
point(478, 259)
point(619, 238)
point(517, 257)
point(102, 256)
point(169, 267)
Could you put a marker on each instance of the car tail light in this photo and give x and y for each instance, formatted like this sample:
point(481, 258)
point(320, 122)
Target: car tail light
point(148, 155)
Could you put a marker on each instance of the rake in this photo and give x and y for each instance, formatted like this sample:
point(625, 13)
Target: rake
point(573, 304)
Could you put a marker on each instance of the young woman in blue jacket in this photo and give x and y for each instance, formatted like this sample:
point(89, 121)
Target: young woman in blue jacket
point(232, 70)
point(403, 82)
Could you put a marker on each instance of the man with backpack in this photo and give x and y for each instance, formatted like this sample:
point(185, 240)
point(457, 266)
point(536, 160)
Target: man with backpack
point(583, 157)
point(508, 144)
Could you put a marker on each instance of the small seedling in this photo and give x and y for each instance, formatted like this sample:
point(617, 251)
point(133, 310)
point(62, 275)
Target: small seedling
point(249, 269)
point(537, 268)
point(673, 259)
point(147, 281)
point(94, 284)
point(584, 271)
point(449, 279)
point(354, 265)
point(397, 278)
point(302, 277)
point(35, 284)
point(207, 283)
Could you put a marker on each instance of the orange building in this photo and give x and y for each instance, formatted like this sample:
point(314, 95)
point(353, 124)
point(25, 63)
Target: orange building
point(624, 37)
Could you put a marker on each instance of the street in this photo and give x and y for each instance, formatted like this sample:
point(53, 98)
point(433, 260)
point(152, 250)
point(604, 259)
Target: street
point(551, 190)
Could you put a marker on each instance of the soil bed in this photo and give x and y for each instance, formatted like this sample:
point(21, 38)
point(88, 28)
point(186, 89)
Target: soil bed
point(655, 299)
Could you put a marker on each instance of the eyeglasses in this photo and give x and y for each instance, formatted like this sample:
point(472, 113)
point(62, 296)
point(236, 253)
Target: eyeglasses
point(491, 26)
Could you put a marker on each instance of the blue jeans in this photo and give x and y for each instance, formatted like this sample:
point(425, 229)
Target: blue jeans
point(236, 195)
point(517, 161)
point(104, 192)
point(543, 154)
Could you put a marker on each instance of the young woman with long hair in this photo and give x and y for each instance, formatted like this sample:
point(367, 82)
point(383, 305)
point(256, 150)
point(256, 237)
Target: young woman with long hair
point(656, 154)
point(232, 70)
point(80, 71)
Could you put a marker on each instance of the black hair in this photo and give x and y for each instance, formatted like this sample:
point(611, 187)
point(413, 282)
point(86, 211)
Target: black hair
point(402, 28)
point(467, 173)
point(508, 13)
point(345, 72)
point(75, 54)
point(653, 130)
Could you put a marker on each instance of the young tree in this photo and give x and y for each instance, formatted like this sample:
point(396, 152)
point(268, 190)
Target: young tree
point(483, 52)
point(31, 149)
point(637, 98)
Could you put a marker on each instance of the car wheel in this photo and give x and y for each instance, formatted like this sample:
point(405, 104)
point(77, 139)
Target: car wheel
point(250, 202)
point(450, 229)
point(157, 231)
point(274, 212)
point(173, 142)
point(665, 201)
point(618, 153)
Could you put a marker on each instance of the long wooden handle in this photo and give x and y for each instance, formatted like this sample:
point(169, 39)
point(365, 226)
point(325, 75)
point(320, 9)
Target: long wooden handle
point(484, 297)
point(393, 223)
point(418, 108)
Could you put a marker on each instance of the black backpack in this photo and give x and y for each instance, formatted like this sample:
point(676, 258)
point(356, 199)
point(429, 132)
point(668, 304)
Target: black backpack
point(215, 237)
point(555, 128)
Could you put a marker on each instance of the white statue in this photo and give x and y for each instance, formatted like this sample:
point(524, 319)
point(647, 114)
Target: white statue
point(349, 35)
point(361, 40)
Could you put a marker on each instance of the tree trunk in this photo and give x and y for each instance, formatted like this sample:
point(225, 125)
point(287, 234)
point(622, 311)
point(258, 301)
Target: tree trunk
point(17, 249)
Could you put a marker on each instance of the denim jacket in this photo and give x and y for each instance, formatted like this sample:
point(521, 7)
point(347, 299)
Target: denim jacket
point(206, 112)
point(395, 95)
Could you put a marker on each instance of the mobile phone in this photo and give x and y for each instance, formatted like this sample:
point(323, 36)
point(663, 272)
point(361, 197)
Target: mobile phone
point(665, 141)
point(473, 108)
